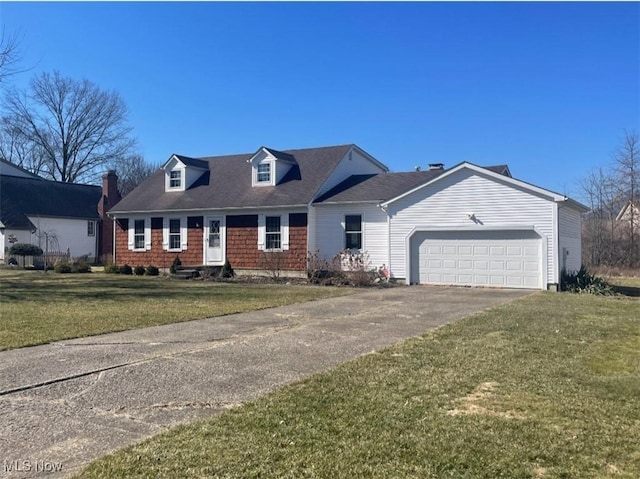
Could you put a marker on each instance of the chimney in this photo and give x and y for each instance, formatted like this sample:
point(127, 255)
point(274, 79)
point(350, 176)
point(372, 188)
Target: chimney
point(110, 197)
point(436, 166)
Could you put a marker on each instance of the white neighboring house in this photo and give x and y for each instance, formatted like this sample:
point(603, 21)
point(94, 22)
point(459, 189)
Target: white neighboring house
point(34, 210)
point(466, 225)
point(629, 214)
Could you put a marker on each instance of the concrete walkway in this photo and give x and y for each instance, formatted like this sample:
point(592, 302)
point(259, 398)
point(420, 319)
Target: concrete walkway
point(66, 403)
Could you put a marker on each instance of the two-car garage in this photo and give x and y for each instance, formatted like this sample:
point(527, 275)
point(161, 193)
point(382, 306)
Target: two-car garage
point(510, 258)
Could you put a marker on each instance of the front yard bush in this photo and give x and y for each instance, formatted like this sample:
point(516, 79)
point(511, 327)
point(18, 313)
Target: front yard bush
point(74, 267)
point(126, 269)
point(152, 271)
point(111, 268)
point(62, 267)
point(582, 281)
point(139, 270)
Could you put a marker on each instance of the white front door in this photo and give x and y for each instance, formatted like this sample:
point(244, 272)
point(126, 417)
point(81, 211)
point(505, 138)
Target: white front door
point(214, 239)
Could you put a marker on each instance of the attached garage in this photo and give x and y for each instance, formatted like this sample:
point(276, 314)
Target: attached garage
point(508, 258)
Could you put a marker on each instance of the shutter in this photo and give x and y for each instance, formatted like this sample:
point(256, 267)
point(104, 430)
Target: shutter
point(165, 233)
point(184, 232)
point(261, 232)
point(130, 231)
point(147, 234)
point(284, 231)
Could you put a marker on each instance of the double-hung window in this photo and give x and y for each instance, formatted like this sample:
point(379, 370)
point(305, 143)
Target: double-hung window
point(138, 234)
point(91, 228)
point(353, 231)
point(263, 173)
point(174, 234)
point(175, 179)
point(273, 235)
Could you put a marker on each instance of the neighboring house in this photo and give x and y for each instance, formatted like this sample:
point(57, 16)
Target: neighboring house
point(66, 215)
point(465, 225)
point(629, 214)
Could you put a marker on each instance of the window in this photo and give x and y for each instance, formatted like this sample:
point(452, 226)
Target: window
point(138, 234)
point(174, 234)
point(273, 236)
point(175, 179)
point(214, 234)
point(353, 231)
point(264, 173)
point(91, 228)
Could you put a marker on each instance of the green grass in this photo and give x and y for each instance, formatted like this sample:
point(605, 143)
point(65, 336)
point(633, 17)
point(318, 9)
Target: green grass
point(37, 308)
point(544, 387)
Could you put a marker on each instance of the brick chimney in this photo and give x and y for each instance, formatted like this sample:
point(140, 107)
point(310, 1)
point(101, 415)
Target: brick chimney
point(110, 197)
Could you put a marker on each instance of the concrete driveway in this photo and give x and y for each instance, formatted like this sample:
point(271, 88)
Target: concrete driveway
point(66, 403)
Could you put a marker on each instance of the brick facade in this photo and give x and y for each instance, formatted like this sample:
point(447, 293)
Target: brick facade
point(241, 244)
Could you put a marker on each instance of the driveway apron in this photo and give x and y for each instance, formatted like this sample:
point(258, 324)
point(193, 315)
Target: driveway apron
point(66, 403)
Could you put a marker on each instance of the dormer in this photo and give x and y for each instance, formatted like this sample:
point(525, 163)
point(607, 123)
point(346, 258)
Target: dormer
point(180, 172)
point(269, 167)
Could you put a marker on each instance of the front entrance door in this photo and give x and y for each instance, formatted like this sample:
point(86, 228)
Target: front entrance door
point(214, 240)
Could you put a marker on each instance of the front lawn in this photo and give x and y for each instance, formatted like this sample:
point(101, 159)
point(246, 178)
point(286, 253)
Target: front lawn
point(37, 307)
point(544, 387)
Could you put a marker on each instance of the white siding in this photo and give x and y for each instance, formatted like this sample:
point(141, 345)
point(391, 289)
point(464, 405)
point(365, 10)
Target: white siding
point(329, 228)
point(569, 238)
point(352, 164)
point(448, 202)
point(68, 233)
point(21, 236)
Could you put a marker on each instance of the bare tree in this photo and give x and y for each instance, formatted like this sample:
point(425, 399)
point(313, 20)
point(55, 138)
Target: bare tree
point(132, 171)
point(627, 167)
point(9, 55)
point(79, 127)
point(17, 149)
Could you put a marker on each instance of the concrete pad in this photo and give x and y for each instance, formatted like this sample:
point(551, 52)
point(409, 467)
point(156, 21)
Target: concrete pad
point(69, 402)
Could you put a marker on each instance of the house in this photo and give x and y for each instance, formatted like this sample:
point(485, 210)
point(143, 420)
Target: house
point(629, 214)
point(464, 225)
point(61, 216)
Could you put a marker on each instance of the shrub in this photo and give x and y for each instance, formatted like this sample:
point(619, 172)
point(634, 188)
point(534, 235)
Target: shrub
point(62, 267)
point(111, 268)
point(25, 249)
point(81, 267)
point(272, 262)
point(357, 268)
point(152, 271)
point(126, 269)
point(582, 281)
point(139, 270)
point(175, 264)
point(227, 270)
point(322, 271)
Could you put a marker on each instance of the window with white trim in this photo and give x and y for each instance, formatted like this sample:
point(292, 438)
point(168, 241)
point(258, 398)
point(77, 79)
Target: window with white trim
point(353, 231)
point(138, 234)
point(91, 228)
point(273, 233)
point(175, 240)
point(175, 179)
point(263, 173)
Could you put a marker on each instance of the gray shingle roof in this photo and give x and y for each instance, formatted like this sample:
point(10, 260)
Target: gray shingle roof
point(195, 162)
point(20, 197)
point(227, 184)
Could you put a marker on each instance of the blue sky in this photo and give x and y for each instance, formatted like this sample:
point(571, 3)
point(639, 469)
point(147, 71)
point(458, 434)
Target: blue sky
point(547, 88)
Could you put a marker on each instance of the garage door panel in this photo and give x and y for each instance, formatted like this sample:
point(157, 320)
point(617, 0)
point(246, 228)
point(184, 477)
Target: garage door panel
point(502, 258)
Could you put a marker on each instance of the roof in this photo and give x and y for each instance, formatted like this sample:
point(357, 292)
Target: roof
point(11, 169)
point(227, 184)
point(196, 163)
point(21, 197)
point(377, 187)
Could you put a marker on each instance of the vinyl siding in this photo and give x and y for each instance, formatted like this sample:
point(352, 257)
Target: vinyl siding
point(570, 237)
point(352, 164)
point(448, 202)
point(329, 228)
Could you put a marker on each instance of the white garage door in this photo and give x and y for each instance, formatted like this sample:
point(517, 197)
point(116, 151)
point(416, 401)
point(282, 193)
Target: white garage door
point(508, 259)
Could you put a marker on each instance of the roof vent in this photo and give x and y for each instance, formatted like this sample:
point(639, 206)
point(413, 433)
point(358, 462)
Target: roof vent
point(436, 166)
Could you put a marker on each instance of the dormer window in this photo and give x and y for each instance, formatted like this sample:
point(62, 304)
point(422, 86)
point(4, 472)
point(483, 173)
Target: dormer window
point(175, 179)
point(264, 173)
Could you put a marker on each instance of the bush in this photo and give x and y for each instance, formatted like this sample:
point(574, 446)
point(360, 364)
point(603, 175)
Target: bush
point(62, 267)
point(111, 268)
point(582, 281)
point(81, 267)
point(139, 270)
point(357, 268)
point(175, 264)
point(322, 271)
point(227, 270)
point(152, 271)
point(126, 269)
point(25, 249)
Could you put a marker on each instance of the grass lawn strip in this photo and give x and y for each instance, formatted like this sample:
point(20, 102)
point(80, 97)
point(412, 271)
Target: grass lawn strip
point(544, 387)
point(37, 308)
